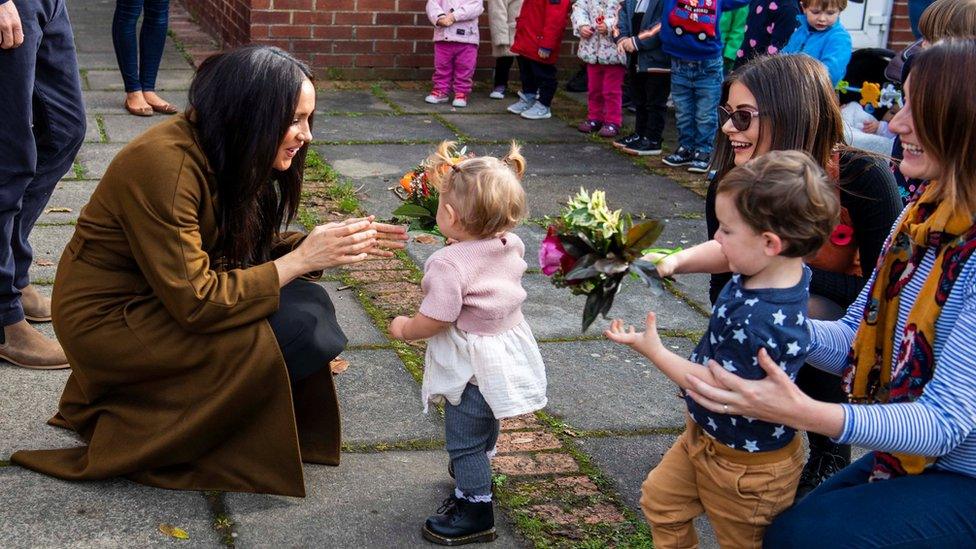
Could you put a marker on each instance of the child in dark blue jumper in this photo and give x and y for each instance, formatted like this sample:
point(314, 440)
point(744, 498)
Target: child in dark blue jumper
point(773, 211)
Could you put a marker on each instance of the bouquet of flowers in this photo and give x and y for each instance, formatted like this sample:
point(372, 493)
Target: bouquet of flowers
point(589, 249)
point(420, 197)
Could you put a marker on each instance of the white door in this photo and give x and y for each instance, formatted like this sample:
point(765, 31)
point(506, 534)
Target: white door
point(868, 23)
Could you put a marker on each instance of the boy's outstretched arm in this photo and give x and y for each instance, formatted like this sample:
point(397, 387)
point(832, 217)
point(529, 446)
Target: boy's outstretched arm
point(409, 328)
point(648, 343)
point(706, 257)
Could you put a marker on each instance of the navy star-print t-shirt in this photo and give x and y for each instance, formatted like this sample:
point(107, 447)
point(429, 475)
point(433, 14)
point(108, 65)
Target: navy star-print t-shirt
point(743, 321)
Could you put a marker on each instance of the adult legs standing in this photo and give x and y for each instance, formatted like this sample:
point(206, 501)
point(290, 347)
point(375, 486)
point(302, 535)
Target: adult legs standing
point(139, 62)
point(44, 125)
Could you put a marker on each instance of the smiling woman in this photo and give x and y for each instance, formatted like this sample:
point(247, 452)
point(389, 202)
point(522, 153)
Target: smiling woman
point(199, 358)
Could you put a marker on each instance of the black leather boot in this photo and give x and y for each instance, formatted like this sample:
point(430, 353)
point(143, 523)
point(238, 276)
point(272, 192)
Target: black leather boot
point(460, 521)
point(826, 458)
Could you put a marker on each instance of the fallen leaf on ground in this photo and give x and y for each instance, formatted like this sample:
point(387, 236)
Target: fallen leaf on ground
point(58, 209)
point(44, 263)
point(173, 531)
point(424, 239)
point(339, 365)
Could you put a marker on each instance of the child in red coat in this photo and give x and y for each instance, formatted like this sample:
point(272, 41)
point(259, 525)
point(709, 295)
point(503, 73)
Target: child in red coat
point(538, 34)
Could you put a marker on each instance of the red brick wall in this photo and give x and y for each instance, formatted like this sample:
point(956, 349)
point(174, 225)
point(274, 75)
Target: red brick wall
point(357, 39)
point(900, 33)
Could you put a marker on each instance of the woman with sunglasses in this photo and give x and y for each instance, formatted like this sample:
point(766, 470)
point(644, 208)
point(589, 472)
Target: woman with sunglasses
point(904, 349)
point(787, 103)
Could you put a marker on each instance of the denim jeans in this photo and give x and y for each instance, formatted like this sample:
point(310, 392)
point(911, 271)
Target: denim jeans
point(139, 62)
point(696, 88)
point(43, 125)
point(934, 509)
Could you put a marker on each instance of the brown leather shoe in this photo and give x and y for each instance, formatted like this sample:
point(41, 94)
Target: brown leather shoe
point(37, 307)
point(24, 346)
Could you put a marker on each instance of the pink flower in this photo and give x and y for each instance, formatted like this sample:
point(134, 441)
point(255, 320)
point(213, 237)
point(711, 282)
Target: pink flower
point(552, 256)
point(842, 235)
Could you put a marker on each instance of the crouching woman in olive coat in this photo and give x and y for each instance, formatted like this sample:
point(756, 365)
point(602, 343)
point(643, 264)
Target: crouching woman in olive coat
point(199, 350)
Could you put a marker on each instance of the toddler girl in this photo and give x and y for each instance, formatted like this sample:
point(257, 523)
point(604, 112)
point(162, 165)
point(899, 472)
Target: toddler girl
point(481, 355)
point(455, 47)
point(605, 66)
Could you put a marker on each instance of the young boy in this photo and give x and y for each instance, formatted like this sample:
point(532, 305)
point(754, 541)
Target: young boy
point(821, 36)
point(650, 74)
point(742, 472)
point(538, 35)
point(691, 36)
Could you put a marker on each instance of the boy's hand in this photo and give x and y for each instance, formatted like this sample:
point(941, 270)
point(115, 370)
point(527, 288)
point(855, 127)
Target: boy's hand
point(646, 342)
point(626, 46)
point(601, 28)
point(396, 327)
point(586, 31)
point(666, 264)
point(871, 126)
point(544, 53)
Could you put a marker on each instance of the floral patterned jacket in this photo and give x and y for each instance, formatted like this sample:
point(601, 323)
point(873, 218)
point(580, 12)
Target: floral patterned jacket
point(599, 49)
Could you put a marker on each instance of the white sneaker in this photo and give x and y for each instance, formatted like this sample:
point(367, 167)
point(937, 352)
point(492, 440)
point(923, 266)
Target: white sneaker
point(497, 93)
point(537, 112)
point(436, 97)
point(460, 100)
point(524, 103)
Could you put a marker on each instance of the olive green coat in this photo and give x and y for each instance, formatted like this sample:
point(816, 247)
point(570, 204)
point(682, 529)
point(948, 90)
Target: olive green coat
point(177, 380)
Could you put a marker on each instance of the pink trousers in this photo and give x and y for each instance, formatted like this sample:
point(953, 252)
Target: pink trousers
point(454, 65)
point(605, 92)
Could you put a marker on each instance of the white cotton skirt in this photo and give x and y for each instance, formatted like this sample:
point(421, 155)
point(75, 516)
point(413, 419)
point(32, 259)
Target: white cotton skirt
point(506, 367)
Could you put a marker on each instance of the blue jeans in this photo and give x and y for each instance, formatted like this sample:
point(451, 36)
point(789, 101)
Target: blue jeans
point(696, 88)
point(43, 125)
point(934, 509)
point(139, 63)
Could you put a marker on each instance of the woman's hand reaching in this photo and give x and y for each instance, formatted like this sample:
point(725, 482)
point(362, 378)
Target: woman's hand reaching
point(388, 237)
point(338, 243)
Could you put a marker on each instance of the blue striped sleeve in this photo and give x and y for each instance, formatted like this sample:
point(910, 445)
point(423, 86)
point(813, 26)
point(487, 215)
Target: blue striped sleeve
point(831, 340)
point(943, 416)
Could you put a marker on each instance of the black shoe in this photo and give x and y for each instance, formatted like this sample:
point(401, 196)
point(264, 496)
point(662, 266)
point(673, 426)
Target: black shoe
point(824, 461)
point(644, 147)
point(680, 157)
point(623, 142)
point(699, 162)
point(460, 521)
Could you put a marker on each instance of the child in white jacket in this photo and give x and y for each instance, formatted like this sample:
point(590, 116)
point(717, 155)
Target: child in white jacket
point(501, 21)
point(455, 48)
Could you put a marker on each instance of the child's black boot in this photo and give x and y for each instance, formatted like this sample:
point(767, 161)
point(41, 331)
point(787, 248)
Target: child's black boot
point(460, 521)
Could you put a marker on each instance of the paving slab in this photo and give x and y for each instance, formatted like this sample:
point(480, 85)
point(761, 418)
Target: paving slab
point(362, 161)
point(506, 127)
point(91, 130)
point(599, 385)
point(166, 80)
point(636, 193)
point(110, 102)
point(72, 194)
point(106, 59)
point(28, 399)
point(340, 129)
point(355, 323)
point(40, 511)
point(48, 243)
point(376, 196)
point(590, 159)
point(95, 158)
point(122, 128)
point(627, 460)
point(380, 402)
point(412, 101)
point(349, 101)
point(370, 500)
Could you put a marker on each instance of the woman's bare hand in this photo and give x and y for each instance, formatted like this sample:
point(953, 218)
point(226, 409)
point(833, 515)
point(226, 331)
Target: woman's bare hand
point(327, 246)
point(388, 237)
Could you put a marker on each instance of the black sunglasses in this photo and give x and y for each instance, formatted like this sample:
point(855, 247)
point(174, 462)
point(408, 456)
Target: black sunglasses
point(741, 118)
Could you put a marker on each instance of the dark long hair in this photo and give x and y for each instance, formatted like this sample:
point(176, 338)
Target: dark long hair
point(241, 103)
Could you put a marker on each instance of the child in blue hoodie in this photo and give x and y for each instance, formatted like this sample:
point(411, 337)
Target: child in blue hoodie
point(821, 36)
point(690, 35)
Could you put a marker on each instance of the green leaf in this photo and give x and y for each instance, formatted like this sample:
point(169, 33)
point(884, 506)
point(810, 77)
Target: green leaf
point(594, 303)
point(412, 210)
point(643, 234)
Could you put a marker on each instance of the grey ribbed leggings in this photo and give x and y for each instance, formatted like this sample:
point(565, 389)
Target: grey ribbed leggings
point(471, 430)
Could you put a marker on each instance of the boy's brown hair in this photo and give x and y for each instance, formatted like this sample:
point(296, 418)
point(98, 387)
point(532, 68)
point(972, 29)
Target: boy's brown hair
point(788, 194)
point(948, 19)
point(840, 5)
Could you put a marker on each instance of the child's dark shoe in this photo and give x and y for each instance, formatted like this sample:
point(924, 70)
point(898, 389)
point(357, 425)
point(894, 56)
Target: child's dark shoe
point(624, 142)
point(460, 522)
point(643, 147)
point(680, 157)
point(589, 126)
point(609, 130)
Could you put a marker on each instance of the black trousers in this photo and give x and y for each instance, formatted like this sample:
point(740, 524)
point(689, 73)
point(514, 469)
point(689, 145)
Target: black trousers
point(503, 66)
point(306, 329)
point(538, 79)
point(816, 383)
point(649, 91)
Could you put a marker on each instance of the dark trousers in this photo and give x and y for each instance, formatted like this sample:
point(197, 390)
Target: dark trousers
point(42, 125)
point(306, 329)
point(503, 66)
point(538, 79)
point(934, 509)
point(649, 92)
point(821, 385)
point(139, 61)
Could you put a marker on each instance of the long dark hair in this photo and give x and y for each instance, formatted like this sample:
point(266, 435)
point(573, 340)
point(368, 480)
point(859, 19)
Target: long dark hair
point(241, 103)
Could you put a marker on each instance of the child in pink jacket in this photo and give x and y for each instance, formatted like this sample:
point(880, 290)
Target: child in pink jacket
point(455, 48)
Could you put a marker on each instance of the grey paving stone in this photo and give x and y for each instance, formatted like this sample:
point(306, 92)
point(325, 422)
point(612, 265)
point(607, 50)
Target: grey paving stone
point(91, 130)
point(48, 243)
point(349, 101)
point(505, 127)
point(341, 129)
point(412, 101)
point(362, 161)
point(593, 160)
point(166, 80)
point(601, 385)
point(380, 402)
point(370, 500)
point(122, 128)
point(71, 194)
point(40, 511)
point(353, 320)
point(106, 59)
point(29, 399)
point(110, 102)
point(95, 158)
point(627, 460)
point(638, 194)
point(376, 197)
point(695, 288)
